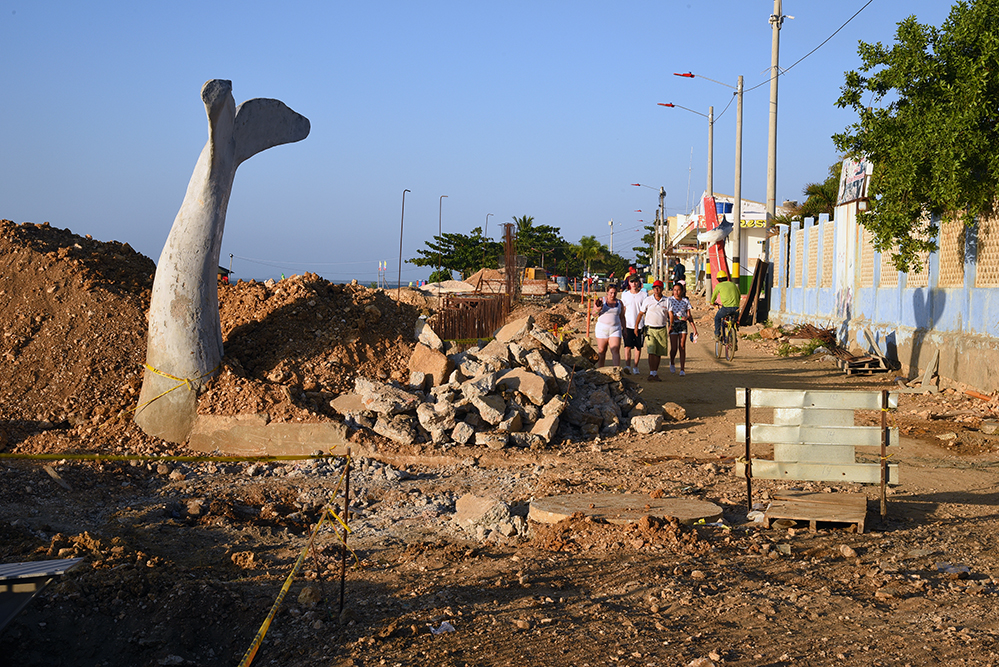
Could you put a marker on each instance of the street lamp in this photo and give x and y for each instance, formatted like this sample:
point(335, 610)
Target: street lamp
point(611, 224)
point(711, 140)
point(737, 223)
point(398, 289)
point(660, 234)
point(440, 233)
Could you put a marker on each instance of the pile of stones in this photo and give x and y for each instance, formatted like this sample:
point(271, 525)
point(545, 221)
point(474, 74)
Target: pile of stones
point(524, 388)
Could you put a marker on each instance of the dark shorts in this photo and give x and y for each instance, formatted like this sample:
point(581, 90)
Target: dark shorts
point(631, 340)
point(679, 327)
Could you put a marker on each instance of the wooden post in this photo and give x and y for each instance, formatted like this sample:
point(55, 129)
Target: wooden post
point(589, 316)
point(884, 453)
point(749, 455)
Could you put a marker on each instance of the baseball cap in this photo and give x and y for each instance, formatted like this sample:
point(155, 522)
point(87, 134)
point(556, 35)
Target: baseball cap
point(658, 283)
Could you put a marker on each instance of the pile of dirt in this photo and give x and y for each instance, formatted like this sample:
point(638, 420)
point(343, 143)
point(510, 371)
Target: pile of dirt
point(74, 327)
point(74, 337)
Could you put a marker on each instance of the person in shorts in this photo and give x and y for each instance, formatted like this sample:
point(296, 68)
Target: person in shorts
point(634, 335)
point(655, 316)
point(610, 323)
point(679, 309)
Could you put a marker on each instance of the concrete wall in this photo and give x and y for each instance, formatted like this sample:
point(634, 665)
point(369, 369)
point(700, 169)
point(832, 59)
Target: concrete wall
point(829, 275)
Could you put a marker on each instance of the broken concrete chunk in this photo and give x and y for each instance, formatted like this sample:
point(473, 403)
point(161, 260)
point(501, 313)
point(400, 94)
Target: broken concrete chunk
point(417, 380)
point(518, 354)
point(575, 362)
point(548, 340)
point(384, 398)
point(348, 404)
point(674, 412)
point(428, 337)
point(398, 429)
point(491, 408)
point(545, 428)
point(538, 364)
point(580, 347)
point(514, 330)
point(491, 439)
point(529, 384)
point(462, 433)
point(496, 350)
point(431, 362)
point(647, 423)
point(472, 511)
point(434, 416)
point(555, 407)
point(480, 386)
point(512, 421)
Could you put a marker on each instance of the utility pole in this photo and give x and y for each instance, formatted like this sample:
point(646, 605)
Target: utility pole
point(711, 151)
point(737, 224)
point(776, 19)
point(611, 223)
point(664, 232)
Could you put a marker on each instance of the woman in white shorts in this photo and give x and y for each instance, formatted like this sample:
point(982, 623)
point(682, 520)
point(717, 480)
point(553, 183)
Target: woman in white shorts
point(610, 324)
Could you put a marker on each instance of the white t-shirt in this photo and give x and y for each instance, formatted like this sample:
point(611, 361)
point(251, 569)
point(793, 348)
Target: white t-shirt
point(632, 306)
point(656, 314)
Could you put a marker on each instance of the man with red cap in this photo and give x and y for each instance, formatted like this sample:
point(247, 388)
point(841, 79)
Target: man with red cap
point(655, 314)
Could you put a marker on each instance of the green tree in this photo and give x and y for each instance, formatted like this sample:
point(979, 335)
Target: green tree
point(588, 251)
point(643, 253)
point(820, 197)
point(459, 252)
point(929, 123)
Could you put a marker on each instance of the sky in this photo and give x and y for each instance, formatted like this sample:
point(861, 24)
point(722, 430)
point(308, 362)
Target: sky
point(544, 109)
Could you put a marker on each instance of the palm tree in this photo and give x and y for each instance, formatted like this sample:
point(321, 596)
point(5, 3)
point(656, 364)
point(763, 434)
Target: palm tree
point(588, 250)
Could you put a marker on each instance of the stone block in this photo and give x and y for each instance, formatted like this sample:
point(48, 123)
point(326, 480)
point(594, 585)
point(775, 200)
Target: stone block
point(529, 384)
point(432, 363)
point(547, 340)
point(491, 408)
point(491, 439)
point(674, 412)
point(538, 364)
point(514, 330)
point(479, 386)
point(472, 511)
point(398, 429)
point(434, 416)
point(580, 347)
point(647, 423)
point(428, 336)
point(462, 433)
point(545, 428)
point(384, 398)
point(556, 406)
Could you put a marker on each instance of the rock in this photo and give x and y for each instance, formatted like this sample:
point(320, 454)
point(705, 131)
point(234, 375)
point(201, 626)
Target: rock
point(611, 373)
point(310, 596)
point(495, 350)
point(638, 410)
point(462, 433)
point(417, 380)
point(384, 398)
point(491, 408)
point(514, 330)
point(348, 404)
point(428, 337)
point(524, 440)
point(579, 347)
point(547, 340)
point(770, 333)
point(674, 412)
point(538, 364)
point(398, 429)
point(555, 407)
point(847, 551)
point(431, 362)
point(512, 422)
point(472, 511)
point(546, 428)
point(491, 439)
point(989, 426)
point(647, 423)
point(436, 416)
point(576, 363)
point(518, 354)
point(480, 386)
point(529, 384)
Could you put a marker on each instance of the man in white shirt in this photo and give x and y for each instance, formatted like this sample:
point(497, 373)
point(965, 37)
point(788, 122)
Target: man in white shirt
point(655, 316)
point(633, 333)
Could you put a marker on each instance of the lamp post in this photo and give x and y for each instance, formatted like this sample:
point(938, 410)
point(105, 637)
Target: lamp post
point(737, 223)
point(657, 250)
point(398, 289)
point(484, 240)
point(711, 141)
point(440, 233)
point(776, 20)
point(611, 225)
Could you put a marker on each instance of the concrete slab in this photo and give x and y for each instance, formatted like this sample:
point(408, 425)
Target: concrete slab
point(621, 508)
point(249, 436)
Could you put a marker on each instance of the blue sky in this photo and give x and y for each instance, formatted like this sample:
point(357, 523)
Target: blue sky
point(547, 109)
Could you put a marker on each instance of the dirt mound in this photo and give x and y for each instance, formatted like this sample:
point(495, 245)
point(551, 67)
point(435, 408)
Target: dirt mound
point(582, 533)
point(74, 336)
point(74, 327)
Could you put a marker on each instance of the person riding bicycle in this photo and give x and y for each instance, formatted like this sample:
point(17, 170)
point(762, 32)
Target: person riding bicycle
point(726, 294)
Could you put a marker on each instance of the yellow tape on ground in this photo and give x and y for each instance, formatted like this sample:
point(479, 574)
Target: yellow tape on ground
point(153, 457)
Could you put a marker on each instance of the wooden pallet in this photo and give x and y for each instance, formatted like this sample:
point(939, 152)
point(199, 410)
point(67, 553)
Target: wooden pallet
point(848, 508)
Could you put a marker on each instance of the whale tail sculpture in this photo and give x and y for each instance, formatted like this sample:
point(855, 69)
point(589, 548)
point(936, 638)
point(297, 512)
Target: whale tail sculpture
point(184, 345)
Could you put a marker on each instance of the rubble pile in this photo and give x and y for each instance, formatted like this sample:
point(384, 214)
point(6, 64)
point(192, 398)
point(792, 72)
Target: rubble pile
point(525, 388)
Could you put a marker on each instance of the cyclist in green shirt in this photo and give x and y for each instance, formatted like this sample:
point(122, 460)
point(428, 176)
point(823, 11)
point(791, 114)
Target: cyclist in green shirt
point(726, 294)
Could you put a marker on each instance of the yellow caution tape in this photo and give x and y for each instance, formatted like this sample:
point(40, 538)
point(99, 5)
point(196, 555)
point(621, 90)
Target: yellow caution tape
point(151, 457)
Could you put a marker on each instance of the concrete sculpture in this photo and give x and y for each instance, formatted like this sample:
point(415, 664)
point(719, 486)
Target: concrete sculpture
point(184, 345)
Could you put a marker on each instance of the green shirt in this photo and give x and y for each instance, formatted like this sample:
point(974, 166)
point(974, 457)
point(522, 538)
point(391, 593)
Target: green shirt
point(727, 294)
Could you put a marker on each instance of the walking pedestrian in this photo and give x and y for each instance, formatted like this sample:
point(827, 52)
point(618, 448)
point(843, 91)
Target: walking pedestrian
point(633, 333)
point(656, 319)
point(610, 323)
point(680, 313)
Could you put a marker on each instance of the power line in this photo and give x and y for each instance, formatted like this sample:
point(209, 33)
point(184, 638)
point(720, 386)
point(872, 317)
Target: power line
point(788, 69)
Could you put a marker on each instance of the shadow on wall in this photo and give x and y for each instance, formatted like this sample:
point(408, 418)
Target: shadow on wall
point(923, 307)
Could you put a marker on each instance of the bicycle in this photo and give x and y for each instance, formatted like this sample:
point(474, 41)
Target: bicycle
point(729, 342)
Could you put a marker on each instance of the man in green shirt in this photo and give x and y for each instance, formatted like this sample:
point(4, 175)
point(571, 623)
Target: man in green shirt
point(726, 295)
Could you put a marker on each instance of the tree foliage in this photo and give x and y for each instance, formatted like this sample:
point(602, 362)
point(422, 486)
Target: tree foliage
point(929, 123)
point(463, 253)
point(643, 253)
point(820, 197)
